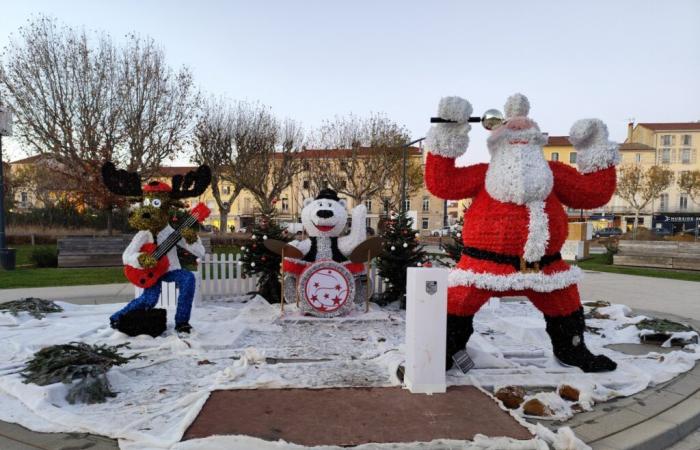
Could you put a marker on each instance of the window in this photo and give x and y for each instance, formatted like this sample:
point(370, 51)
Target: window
point(637, 157)
point(665, 155)
point(425, 223)
point(368, 205)
point(667, 140)
point(285, 204)
point(683, 202)
point(227, 190)
point(343, 184)
point(305, 184)
point(24, 198)
point(407, 204)
point(368, 222)
point(685, 155)
point(386, 205)
point(555, 156)
point(687, 139)
point(306, 166)
point(426, 204)
point(663, 202)
point(572, 157)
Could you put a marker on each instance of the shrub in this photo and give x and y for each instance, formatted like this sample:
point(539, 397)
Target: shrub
point(44, 257)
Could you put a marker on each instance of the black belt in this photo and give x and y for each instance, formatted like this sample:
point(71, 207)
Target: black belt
point(516, 261)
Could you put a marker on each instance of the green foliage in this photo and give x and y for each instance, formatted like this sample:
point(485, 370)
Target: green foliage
point(36, 307)
point(66, 215)
point(453, 246)
point(77, 361)
point(44, 257)
point(401, 251)
point(258, 260)
point(662, 326)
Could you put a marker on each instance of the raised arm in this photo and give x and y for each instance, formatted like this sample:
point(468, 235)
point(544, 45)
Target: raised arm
point(593, 184)
point(446, 142)
point(448, 182)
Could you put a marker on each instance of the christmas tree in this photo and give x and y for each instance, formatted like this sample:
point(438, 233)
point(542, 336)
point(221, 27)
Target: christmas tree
point(453, 246)
point(401, 251)
point(258, 260)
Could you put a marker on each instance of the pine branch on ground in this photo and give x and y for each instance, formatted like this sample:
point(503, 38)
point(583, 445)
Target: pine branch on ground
point(36, 307)
point(86, 363)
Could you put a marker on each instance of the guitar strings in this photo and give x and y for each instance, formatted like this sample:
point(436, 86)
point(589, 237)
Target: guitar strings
point(173, 238)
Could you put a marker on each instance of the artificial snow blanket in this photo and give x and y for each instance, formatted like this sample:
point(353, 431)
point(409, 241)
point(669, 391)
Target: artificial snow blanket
point(243, 343)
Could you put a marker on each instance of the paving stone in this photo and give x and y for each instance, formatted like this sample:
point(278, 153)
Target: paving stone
point(653, 434)
point(655, 403)
point(685, 415)
point(685, 385)
point(608, 424)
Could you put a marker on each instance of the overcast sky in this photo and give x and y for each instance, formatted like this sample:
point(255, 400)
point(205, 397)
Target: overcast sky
point(311, 60)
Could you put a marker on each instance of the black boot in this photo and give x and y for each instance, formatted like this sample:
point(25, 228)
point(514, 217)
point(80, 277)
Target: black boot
point(459, 329)
point(183, 327)
point(566, 333)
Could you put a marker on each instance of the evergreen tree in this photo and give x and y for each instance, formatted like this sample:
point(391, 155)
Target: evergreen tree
point(453, 247)
point(258, 260)
point(401, 251)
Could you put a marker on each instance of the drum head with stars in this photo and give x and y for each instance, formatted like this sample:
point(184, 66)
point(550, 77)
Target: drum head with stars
point(327, 289)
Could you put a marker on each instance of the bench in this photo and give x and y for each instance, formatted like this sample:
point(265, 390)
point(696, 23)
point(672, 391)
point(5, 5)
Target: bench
point(658, 254)
point(100, 251)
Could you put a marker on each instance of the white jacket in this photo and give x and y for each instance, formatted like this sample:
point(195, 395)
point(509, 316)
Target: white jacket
point(131, 254)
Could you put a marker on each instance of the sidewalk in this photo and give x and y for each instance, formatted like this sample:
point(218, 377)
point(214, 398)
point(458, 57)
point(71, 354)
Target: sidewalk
point(81, 295)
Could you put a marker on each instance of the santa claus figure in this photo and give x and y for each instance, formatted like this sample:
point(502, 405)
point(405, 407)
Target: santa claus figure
point(516, 225)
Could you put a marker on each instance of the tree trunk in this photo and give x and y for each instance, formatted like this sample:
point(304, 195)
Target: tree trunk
point(223, 221)
point(634, 225)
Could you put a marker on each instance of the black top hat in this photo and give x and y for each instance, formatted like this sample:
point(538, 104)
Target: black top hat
point(329, 194)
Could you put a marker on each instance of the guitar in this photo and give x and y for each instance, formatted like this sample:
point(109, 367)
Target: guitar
point(145, 278)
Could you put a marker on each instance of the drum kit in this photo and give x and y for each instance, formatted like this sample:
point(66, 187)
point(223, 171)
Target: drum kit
point(325, 288)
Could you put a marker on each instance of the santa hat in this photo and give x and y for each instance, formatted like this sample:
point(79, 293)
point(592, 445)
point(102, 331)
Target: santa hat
point(157, 186)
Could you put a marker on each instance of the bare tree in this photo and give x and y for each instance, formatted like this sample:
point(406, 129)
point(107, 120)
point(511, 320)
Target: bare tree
point(414, 181)
point(80, 100)
point(213, 145)
point(689, 184)
point(638, 187)
point(355, 156)
point(267, 151)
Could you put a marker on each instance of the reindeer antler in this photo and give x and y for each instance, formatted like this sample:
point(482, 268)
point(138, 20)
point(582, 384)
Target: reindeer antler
point(121, 182)
point(193, 184)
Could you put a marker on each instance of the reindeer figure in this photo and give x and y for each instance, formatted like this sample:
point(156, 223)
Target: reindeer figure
point(151, 257)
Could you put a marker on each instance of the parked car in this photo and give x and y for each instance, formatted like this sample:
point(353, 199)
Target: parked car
point(607, 232)
point(663, 232)
point(444, 231)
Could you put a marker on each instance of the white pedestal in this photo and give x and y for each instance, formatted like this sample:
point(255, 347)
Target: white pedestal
point(426, 326)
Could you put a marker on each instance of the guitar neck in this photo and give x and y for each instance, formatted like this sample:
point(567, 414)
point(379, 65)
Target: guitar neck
point(173, 238)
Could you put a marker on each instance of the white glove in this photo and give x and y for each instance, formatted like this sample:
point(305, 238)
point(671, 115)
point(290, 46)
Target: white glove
point(451, 139)
point(595, 151)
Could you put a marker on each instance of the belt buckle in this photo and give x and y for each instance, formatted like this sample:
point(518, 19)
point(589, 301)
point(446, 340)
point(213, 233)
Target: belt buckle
point(525, 269)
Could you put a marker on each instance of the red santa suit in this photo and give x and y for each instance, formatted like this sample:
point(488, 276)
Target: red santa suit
point(516, 225)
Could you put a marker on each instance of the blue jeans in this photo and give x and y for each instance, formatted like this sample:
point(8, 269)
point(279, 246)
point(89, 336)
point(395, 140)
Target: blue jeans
point(184, 279)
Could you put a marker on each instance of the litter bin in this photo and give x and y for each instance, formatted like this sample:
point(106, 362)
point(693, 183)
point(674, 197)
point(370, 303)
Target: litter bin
point(7, 258)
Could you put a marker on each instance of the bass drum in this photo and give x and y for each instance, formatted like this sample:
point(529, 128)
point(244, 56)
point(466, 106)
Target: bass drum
point(326, 289)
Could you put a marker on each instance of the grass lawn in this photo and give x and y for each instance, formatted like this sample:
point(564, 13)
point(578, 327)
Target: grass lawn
point(597, 262)
point(26, 275)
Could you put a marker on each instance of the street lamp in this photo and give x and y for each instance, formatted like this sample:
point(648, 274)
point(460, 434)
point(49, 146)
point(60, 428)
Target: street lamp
point(7, 255)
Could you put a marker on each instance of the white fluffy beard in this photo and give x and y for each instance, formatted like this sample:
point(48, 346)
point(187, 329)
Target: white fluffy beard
point(519, 174)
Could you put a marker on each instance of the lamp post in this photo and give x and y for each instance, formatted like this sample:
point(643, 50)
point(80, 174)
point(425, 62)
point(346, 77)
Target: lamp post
point(403, 176)
point(7, 255)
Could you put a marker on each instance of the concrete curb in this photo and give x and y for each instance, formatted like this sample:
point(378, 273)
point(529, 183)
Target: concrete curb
point(653, 419)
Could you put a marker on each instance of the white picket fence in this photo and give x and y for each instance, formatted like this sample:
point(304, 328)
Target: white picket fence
point(222, 276)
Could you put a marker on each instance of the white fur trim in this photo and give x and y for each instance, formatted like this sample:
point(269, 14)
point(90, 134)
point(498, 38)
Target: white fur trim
point(538, 232)
point(595, 151)
point(538, 282)
point(455, 108)
point(517, 105)
point(518, 175)
point(450, 139)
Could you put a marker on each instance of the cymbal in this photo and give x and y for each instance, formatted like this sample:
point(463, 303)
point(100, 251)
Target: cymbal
point(371, 247)
point(277, 247)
